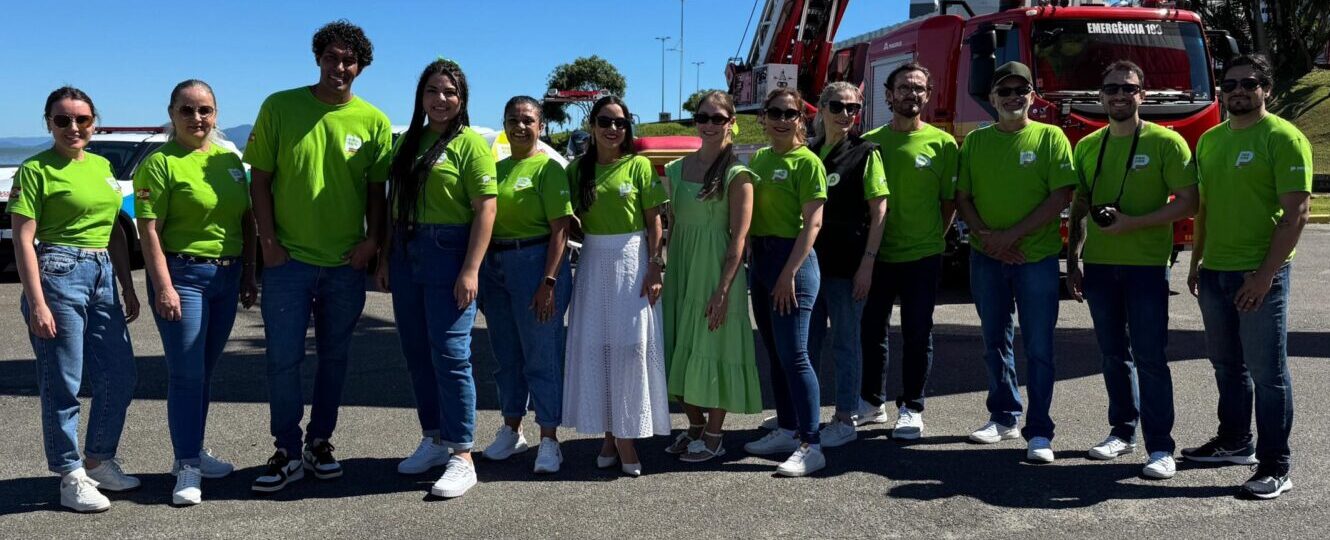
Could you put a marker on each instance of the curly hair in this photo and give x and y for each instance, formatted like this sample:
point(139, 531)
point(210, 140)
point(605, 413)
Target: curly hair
point(342, 31)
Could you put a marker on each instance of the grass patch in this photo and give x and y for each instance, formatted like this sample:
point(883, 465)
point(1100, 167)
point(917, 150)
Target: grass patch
point(1306, 103)
point(1320, 205)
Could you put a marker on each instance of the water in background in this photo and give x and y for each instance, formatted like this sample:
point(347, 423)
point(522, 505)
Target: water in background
point(10, 157)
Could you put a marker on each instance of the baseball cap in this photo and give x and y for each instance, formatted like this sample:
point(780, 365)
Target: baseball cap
point(1012, 69)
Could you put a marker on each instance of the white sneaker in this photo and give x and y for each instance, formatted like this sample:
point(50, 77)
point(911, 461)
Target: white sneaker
point(506, 443)
point(548, 456)
point(427, 456)
point(1160, 465)
point(804, 461)
point(1112, 447)
point(458, 478)
point(909, 424)
point(868, 414)
point(993, 432)
point(769, 423)
point(188, 487)
point(210, 466)
point(777, 442)
point(110, 477)
point(79, 493)
point(1040, 450)
point(837, 433)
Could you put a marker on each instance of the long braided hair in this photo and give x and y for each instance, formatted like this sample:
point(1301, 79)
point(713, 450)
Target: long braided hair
point(586, 165)
point(715, 175)
point(409, 172)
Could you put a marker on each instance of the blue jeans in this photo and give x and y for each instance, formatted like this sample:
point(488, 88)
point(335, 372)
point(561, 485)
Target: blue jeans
point(291, 292)
point(793, 379)
point(1250, 350)
point(915, 283)
point(529, 353)
point(80, 290)
point(835, 299)
point(999, 289)
point(1129, 306)
point(435, 335)
point(208, 295)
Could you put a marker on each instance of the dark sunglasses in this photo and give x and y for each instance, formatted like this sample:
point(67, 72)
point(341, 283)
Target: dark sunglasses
point(63, 121)
point(1112, 89)
point(1007, 91)
point(713, 119)
point(606, 122)
point(1248, 84)
point(777, 114)
point(189, 110)
point(838, 107)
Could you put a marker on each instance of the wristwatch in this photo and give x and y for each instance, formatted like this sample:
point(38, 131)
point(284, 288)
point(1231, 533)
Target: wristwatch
point(550, 280)
point(658, 261)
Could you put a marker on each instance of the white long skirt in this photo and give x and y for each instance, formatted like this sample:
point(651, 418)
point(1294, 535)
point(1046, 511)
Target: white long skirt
point(614, 375)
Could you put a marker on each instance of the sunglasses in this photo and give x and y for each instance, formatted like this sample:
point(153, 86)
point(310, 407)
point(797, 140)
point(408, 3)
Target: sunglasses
point(605, 122)
point(189, 110)
point(1248, 84)
point(1113, 89)
point(63, 121)
point(713, 119)
point(1007, 91)
point(838, 107)
point(777, 114)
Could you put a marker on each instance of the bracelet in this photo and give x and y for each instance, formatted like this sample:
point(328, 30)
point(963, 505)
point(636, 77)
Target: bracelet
point(870, 254)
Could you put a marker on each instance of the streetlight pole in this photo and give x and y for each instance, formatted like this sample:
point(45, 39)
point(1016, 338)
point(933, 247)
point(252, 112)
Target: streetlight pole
point(698, 75)
point(662, 40)
point(681, 58)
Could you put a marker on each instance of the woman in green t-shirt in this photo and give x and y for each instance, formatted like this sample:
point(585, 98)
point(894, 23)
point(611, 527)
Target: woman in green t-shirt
point(69, 200)
point(614, 379)
point(192, 205)
point(442, 199)
point(525, 286)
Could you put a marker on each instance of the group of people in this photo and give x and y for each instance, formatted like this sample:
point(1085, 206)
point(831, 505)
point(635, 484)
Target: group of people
point(833, 231)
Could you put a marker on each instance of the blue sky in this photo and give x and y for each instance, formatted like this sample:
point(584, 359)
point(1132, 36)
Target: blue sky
point(128, 55)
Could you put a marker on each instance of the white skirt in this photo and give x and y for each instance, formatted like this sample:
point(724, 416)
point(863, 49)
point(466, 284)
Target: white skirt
point(614, 375)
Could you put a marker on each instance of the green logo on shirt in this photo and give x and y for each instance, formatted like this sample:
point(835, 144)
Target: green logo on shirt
point(833, 179)
point(625, 190)
point(1027, 158)
point(780, 174)
point(110, 181)
point(1141, 161)
point(353, 144)
point(922, 162)
point(522, 183)
point(237, 175)
point(1244, 157)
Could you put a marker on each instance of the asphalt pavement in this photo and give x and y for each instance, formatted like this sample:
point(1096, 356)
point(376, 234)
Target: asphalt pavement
point(938, 486)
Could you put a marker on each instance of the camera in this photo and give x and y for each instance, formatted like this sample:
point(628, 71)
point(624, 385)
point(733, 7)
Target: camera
point(1104, 214)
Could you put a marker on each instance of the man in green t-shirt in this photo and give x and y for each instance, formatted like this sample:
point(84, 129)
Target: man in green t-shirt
point(1128, 170)
point(1015, 178)
point(1256, 176)
point(319, 157)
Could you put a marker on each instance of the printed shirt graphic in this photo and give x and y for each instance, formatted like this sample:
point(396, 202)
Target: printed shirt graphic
point(624, 190)
point(532, 192)
point(782, 184)
point(1162, 165)
point(199, 196)
point(74, 203)
point(1011, 174)
point(1242, 174)
point(921, 173)
point(463, 173)
point(322, 158)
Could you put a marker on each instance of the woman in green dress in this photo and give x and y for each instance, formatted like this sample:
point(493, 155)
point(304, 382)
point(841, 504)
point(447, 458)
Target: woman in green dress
point(708, 339)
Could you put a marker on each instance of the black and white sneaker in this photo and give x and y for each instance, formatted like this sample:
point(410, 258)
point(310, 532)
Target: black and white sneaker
point(1267, 484)
point(1219, 450)
point(282, 470)
point(320, 461)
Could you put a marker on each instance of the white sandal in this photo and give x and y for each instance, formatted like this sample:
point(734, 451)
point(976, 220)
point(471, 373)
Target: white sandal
point(683, 441)
point(699, 452)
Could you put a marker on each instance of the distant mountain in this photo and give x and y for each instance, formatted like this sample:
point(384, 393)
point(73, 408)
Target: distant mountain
point(238, 135)
point(25, 142)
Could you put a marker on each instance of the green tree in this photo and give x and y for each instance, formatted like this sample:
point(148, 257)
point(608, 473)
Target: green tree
point(591, 73)
point(691, 104)
point(1299, 31)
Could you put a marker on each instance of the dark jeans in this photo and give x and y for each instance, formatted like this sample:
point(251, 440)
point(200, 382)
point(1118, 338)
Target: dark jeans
point(1129, 306)
point(1250, 354)
point(915, 283)
point(793, 379)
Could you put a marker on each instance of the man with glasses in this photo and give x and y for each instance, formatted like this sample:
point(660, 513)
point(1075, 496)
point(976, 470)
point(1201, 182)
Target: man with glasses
point(1255, 177)
point(1128, 170)
point(921, 163)
point(1015, 178)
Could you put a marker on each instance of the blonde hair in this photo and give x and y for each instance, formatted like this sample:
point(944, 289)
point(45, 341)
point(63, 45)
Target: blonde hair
point(828, 93)
point(215, 136)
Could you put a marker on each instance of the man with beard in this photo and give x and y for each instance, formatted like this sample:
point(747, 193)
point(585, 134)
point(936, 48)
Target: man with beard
point(921, 163)
point(1255, 178)
point(1014, 180)
point(1127, 171)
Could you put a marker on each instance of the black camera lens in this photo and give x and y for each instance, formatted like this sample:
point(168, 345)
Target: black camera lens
point(1103, 215)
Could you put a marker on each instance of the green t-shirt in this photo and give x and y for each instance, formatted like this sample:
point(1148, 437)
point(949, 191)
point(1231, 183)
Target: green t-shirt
point(1162, 165)
point(532, 192)
point(782, 184)
point(624, 189)
point(875, 178)
point(1242, 175)
point(74, 203)
point(322, 158)
point(464, 172)
point(1011, 174)
point(199, 196)
point(923, 174)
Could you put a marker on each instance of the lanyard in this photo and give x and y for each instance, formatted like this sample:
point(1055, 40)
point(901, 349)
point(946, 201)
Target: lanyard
point(1131, 158)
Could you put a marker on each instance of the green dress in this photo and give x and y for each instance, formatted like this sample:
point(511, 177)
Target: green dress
point(707, 369)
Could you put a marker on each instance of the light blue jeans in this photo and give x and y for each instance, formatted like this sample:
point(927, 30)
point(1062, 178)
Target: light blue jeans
point(835, 300)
